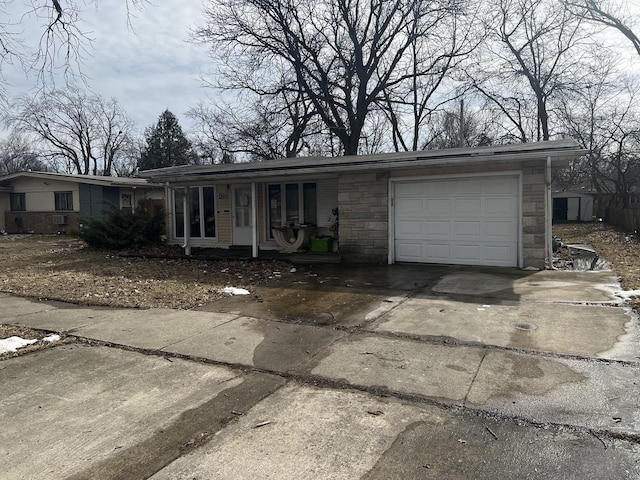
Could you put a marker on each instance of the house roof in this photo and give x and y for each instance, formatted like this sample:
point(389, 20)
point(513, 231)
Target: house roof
point(560, 152)
point(88, 179)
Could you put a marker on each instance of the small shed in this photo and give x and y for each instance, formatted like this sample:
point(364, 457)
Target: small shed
point(572, 207)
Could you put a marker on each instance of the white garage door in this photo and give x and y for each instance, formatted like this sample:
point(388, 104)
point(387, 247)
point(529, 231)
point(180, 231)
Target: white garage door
point(466, 221)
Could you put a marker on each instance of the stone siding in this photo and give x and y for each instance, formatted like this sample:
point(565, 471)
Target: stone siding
point(364, 217)
point(533, 218)
point(40, 222)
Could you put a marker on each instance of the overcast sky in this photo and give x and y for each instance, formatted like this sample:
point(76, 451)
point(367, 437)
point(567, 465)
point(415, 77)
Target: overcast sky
point(148, 70)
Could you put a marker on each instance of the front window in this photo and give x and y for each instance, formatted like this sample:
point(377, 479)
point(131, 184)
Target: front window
point(64, 201)
point(18, 203)
point(297, 206)
point(202, 212)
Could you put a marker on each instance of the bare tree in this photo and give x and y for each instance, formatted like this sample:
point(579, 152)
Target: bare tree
point(347, 57)
point(60, 43)
point(459, 128)
point(84, 131)
point(603, 115)
point(17, 155)
point(266, 127)
point(611, 14)
point(533, 54)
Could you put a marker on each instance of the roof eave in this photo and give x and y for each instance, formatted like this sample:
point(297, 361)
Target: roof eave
point(559, 158)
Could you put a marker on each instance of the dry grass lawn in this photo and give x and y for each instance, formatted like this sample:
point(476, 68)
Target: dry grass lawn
point(63, 268)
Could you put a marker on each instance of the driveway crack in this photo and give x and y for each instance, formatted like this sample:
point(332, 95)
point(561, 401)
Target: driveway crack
point(475, 375)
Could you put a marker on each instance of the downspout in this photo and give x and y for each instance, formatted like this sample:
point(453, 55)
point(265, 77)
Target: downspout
point(254, 223)
point(548, 217)
point(187, 222)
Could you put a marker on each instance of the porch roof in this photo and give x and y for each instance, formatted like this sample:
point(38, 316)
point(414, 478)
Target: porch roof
point(560, 152)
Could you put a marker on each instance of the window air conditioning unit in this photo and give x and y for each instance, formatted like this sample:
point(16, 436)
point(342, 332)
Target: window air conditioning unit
point(59, 219)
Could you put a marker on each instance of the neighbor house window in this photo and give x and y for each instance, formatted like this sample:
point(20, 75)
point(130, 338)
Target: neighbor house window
point(64, 201)
point(292, 203)
point(202, 212)
point(18, 203)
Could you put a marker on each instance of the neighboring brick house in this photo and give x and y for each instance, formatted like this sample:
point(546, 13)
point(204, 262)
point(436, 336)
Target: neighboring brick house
point(43, 202)
point(471, 206)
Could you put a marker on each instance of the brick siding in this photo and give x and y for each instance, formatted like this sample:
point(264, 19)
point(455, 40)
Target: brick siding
point(40, 222)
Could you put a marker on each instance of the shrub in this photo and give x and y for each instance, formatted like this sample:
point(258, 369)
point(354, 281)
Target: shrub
point(118, 229)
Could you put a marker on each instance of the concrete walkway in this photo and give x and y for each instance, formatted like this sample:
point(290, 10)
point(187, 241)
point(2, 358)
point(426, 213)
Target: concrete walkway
point(425, 373)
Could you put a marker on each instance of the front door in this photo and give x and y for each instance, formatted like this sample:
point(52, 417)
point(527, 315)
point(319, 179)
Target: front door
point(242, 227)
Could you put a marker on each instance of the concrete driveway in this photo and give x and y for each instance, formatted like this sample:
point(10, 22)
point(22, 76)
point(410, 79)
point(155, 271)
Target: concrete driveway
point(359, 372)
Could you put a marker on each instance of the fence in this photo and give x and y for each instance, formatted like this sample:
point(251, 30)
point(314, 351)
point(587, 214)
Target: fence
point(627, 219)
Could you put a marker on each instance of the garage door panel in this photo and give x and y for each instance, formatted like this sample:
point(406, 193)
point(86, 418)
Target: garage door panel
point(437, 253)
point(498, 186)
point(468, 206)
point(438, 206)
point(469, 254)
point(410, 205)
point(467, 187)
point(408, 228)
point(499, 255)
point(468, 229)
point(409, 251)
point(500, 207)
point(434, 228)
point(499, 230)
point(471, 221)
point(409, 189)
point(437, 189)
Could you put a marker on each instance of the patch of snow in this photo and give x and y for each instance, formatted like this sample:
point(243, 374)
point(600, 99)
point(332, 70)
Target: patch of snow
point(12, 344)
point(235, 291)
point(51, 338)
point(627, 294)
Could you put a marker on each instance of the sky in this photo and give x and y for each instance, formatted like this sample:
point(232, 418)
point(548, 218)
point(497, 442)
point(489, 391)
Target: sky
point(148, 69)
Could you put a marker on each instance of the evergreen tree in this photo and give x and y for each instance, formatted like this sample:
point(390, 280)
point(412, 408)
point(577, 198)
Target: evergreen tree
point(119, 229)
point(167, 145)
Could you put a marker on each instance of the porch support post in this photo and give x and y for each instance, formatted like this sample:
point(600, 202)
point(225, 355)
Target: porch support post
point(254, 221)
point(187, 221)
point(548, 216)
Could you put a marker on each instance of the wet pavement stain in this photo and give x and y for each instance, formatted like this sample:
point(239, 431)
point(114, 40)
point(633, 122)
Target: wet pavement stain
point(466, 447)
point(329, 295)
point(505, 375)
point(286, 346)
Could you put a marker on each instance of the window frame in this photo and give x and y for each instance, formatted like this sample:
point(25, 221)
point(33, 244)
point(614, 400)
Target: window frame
point(205, 230)
point(21, 205)
point(284, 212)
point(63, 199)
